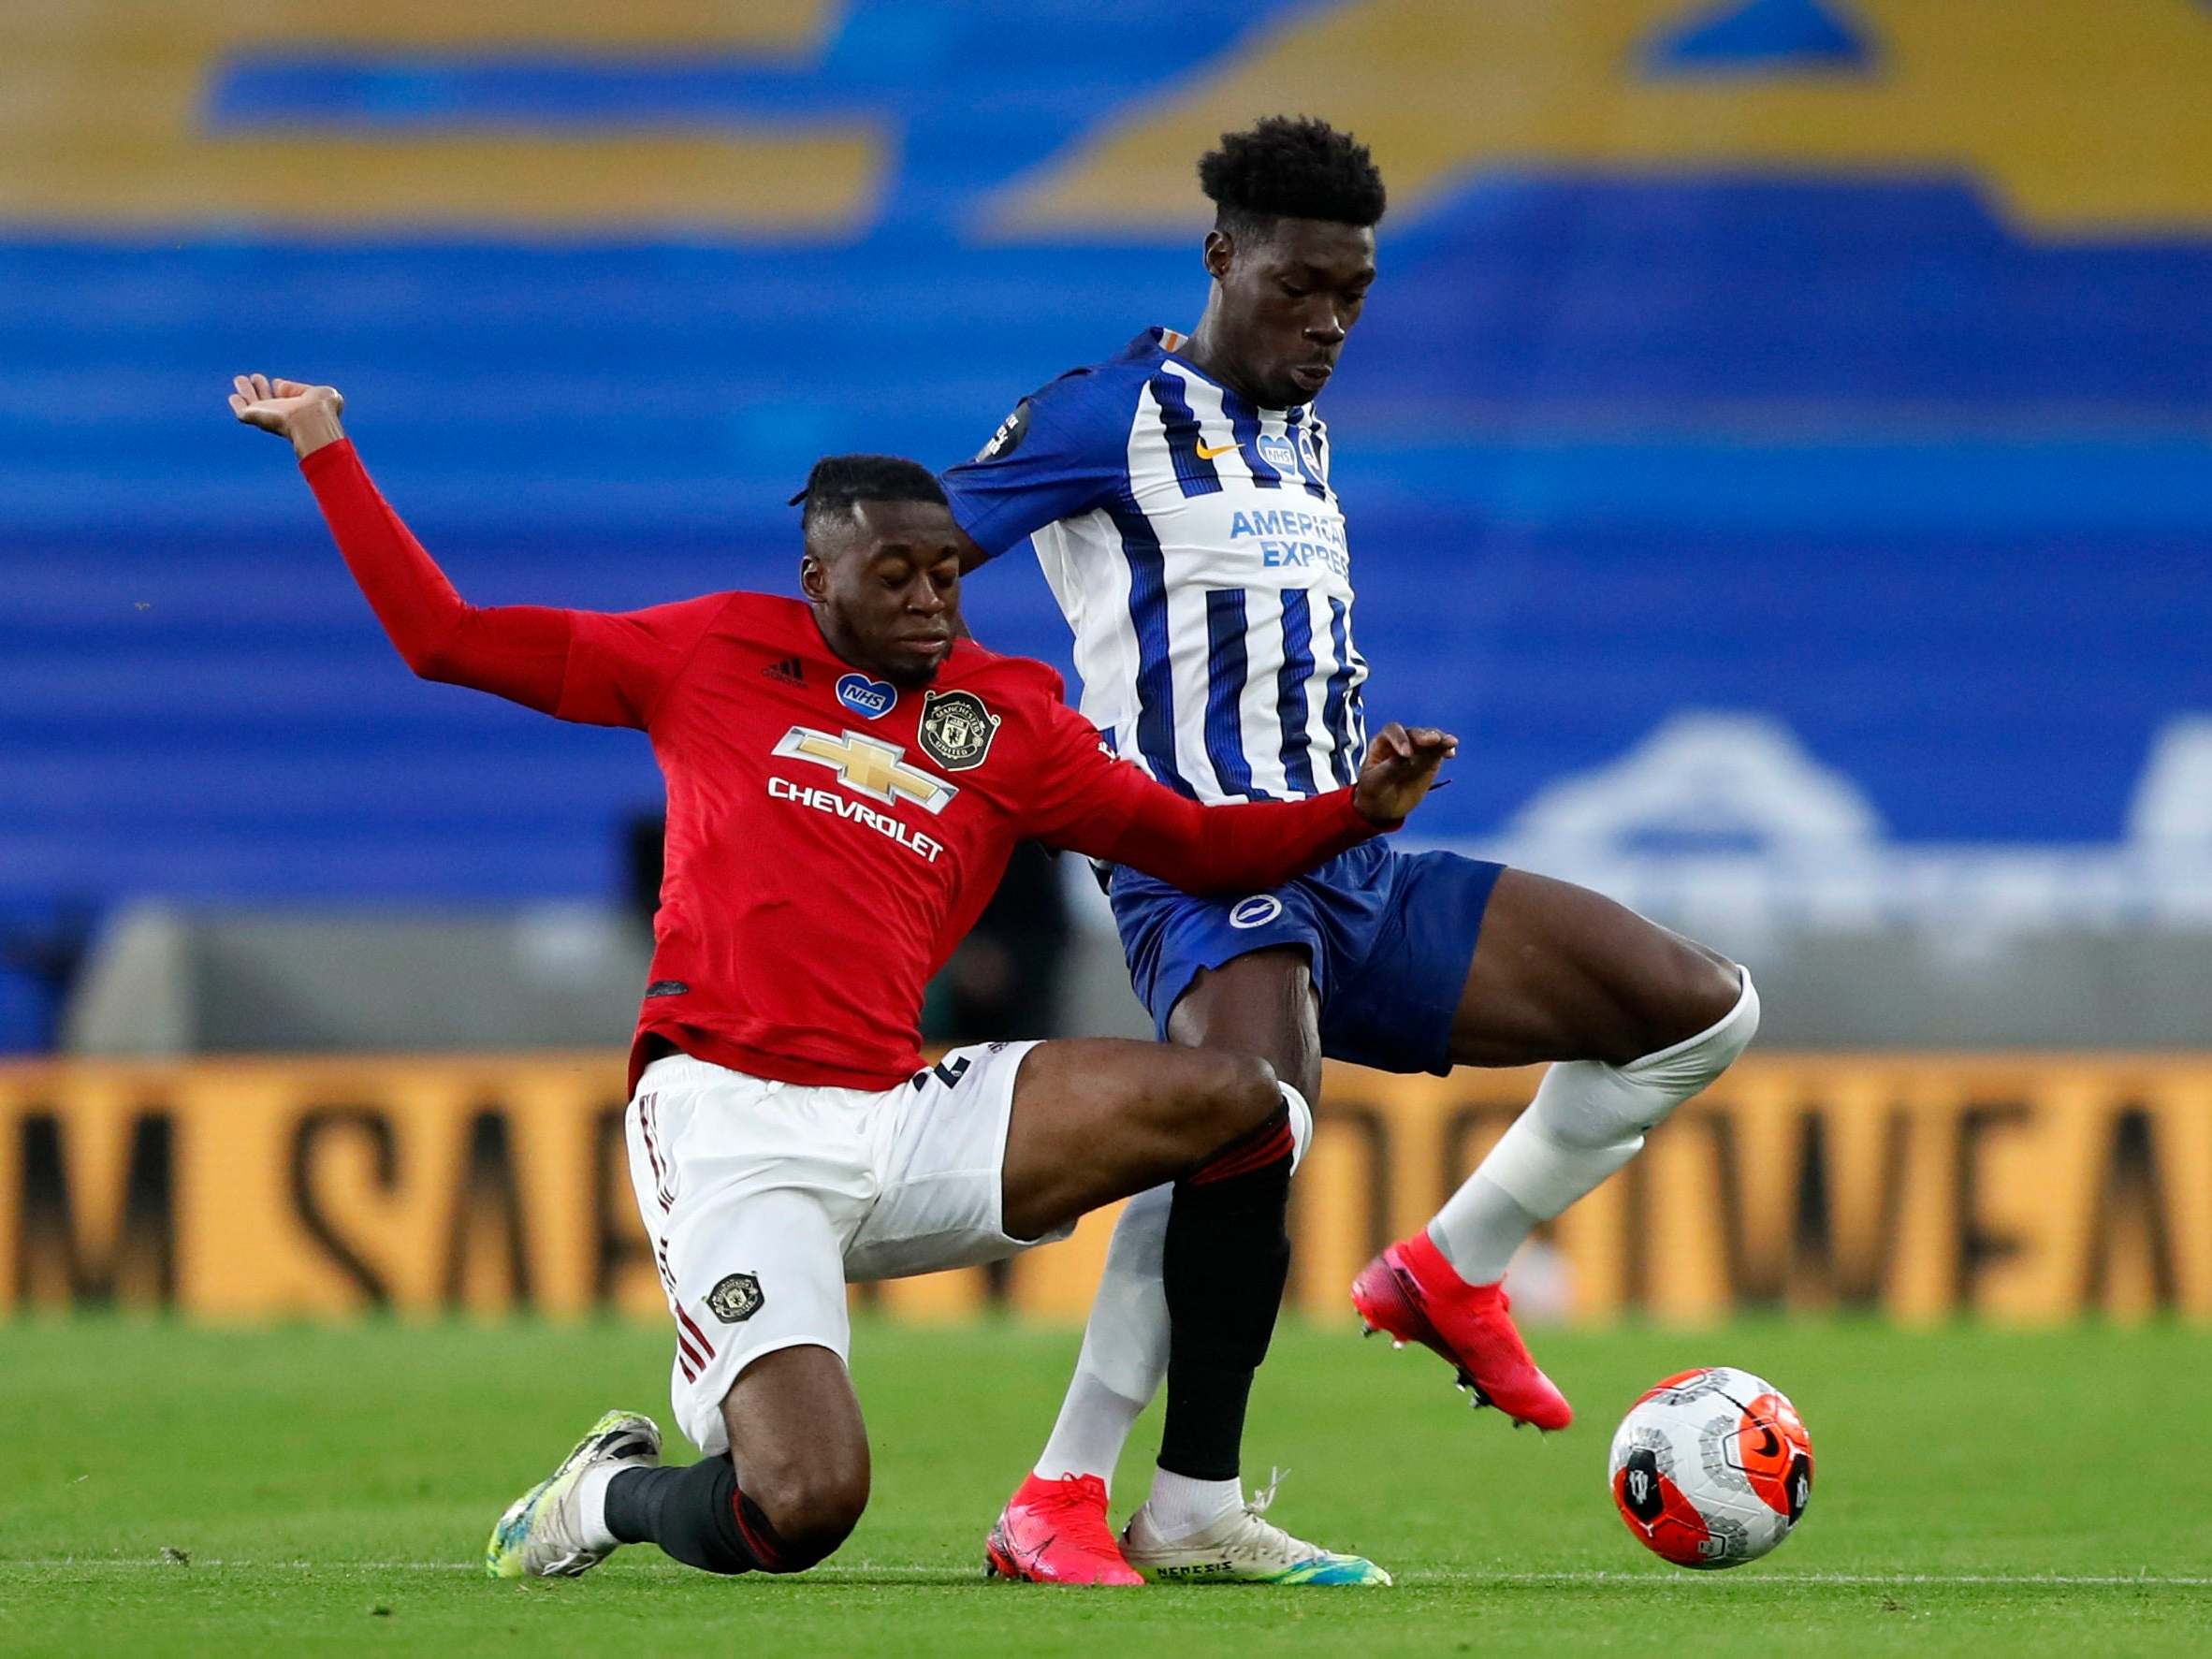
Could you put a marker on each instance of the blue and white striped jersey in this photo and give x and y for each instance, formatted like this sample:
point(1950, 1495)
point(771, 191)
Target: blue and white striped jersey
point(1199, 554)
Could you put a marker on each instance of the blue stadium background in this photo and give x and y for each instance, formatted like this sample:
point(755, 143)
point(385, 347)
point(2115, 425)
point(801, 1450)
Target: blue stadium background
point(1858, 448)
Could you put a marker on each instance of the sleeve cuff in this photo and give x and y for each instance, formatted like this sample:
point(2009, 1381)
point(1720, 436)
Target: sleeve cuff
point(314, 466)
point(1355, 818)
point(974, 521)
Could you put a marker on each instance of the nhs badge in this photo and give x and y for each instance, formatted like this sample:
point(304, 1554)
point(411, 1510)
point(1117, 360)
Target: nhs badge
point(1276, 453)
point(870, 698)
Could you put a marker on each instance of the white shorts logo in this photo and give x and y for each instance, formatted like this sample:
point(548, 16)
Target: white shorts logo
point(1255, 911)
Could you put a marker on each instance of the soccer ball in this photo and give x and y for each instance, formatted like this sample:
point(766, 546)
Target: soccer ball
point(1712, 1468)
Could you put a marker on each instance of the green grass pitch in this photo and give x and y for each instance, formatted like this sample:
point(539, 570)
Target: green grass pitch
point(1977, 1494)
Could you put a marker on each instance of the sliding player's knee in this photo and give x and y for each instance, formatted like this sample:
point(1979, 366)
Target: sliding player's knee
point(1219, 1096)
point(812, 1506)
point(1246, 1092)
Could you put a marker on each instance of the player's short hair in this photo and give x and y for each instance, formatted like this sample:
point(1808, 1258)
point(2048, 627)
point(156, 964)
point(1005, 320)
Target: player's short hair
point(1291, 167)
point(838, 482)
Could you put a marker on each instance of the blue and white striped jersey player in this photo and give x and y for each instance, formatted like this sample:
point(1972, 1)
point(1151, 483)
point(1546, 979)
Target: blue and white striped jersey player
point(1179, 498)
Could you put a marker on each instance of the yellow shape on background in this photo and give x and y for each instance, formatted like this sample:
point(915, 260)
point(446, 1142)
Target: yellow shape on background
point(100, 120)
point(2080, 117)
point(2026, 1188)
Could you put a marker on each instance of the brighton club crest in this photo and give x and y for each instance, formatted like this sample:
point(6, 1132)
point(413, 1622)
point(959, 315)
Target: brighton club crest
point(956, 729)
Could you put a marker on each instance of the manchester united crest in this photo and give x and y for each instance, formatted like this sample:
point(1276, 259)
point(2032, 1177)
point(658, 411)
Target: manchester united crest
point(735, 1298)
point(956, 729)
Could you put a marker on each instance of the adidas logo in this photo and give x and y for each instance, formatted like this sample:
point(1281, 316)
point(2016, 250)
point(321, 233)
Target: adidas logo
point(791, 671)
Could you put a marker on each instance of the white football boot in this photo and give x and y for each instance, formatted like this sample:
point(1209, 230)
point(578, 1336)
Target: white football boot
point(541, 1536)
point(1241, 1548)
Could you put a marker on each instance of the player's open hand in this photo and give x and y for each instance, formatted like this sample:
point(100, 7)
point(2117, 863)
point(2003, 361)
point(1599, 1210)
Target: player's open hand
point(1400, 768)
point(307, 414)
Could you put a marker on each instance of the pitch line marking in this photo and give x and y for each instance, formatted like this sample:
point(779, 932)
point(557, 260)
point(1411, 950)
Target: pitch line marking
point(942, 1575)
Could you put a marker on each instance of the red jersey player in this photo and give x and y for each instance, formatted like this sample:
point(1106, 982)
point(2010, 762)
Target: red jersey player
point(845, 780)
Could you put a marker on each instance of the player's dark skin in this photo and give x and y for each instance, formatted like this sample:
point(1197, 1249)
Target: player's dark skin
point(885, 582)
point(1559, 972)
point(1094, 1120)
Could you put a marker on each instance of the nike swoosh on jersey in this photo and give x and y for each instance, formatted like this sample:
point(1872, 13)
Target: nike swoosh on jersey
point(1206, 452)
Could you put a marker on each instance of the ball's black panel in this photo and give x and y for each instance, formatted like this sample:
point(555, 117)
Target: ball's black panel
point(1639, 1486)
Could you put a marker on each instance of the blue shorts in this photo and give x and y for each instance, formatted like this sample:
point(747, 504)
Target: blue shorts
point(1389, 934)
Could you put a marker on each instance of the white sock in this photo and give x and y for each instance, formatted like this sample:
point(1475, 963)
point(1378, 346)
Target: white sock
point(1179, 1506)
point(1093, 1426)
point(592, 1504)
point(1480, 1226)
point(1124, 1342)
point(1587, 1120)
point(1125, 1347)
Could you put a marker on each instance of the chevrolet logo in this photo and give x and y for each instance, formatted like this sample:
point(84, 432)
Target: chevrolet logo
point(877, 770)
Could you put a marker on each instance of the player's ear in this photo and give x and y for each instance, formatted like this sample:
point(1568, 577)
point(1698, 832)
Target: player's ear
point(813, 578)
point(1220, 250)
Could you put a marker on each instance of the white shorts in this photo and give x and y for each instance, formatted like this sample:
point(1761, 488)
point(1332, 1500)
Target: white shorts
point(763, 1199)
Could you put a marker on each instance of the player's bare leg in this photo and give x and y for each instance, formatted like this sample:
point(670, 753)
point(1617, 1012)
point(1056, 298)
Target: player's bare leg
point(1096, 1119)
point(1636, 1019)
point(1263, 1003)
point(1561, 973)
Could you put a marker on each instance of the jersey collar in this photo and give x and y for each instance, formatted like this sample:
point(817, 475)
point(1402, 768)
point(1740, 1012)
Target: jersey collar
point(1169, 343)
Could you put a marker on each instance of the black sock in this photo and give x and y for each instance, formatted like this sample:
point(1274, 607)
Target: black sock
point(696, 1514)
point(1228, 1256)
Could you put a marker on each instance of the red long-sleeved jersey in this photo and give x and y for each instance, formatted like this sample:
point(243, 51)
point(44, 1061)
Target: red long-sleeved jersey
point(831, 837)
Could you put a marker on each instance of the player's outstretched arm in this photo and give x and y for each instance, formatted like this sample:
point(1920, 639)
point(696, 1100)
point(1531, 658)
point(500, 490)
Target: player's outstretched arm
point(519, 654)
point(1249, 845)
point(582, 665)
